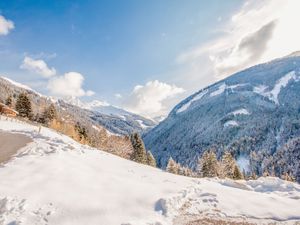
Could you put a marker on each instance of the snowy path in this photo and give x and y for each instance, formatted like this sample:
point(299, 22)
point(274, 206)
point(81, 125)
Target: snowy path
point(58, 181)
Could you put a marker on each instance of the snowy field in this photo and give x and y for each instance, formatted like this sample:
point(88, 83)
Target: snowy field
point(55, 180)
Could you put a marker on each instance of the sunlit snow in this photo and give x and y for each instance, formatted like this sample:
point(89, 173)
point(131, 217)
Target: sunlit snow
point(196, 98)
point(281, 83)
point(240, 112)
point(231, 123)
point(55, 180)
point(219, 91)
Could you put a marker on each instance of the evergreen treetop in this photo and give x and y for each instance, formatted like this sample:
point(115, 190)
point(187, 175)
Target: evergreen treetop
point(172, 166)
point(49, 114)
point(23, 106)
point(227, 165)
point(237, 175)
point(208, 164)
point(8, 101)
point(139, 152)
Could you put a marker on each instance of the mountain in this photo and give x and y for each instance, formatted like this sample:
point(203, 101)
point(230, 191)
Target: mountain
point(124, 122)
point(55, 180)
point(105, 130)
point(113, 119)
point(255, 114)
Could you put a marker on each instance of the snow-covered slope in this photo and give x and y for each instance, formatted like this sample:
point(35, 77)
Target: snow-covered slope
point(17, 84)
point(55, 180)
point(255, 113)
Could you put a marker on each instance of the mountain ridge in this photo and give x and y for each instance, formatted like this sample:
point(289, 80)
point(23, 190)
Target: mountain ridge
point(253, 113)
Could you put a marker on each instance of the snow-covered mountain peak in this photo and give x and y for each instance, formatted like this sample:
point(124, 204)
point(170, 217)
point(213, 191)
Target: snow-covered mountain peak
point(95, 103)
point(85, 105)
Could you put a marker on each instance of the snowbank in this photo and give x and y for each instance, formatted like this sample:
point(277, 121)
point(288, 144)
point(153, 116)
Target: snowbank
point(58, 181)
point(231, 123)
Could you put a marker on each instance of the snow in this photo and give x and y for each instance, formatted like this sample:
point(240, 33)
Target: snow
point(195, 98)
point(122, 117)
point(143, 126)
point(294, 54)
point(16, 83)
point(260, 89)
point(232, 123)
point(158, 119)
point(272, 184)
point(96, 128)
point(109, 133)
point(235, 86)
point(105, 108)
point(86, 105)
point(220, 90)
point(241, 111)
point(20, 85)
point(237, 198)
point(55, 180)
point(94, 104)
point(281, 83)
point(243, 163)
point(199, 96)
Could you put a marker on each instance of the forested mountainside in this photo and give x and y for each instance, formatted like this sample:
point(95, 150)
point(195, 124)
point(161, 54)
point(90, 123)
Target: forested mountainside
point(254, 114)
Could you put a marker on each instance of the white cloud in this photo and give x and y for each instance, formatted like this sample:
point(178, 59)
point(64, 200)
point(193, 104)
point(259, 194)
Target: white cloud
point(260, 31)
point(118, 96)
point(68, 85)
point(38, 66)
point(5, 25)
point(90, 93)
point(151, 99)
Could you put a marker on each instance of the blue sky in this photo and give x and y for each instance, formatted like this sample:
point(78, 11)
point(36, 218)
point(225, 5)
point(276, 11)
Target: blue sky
point(126, 50)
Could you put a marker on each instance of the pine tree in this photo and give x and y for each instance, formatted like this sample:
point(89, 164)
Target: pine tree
point(172, 166)
point(237, 175)
point(82, 131)
point(8, 101)
point(150, 159)
point(23, 106)
point(228, 165)
point(49, 114)
point(209, 166)
point(185, 171)
point(139, 152)
point(288, 177)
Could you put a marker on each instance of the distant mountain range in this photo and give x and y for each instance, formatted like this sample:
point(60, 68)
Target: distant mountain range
point(254, 113)
point(115, 120)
